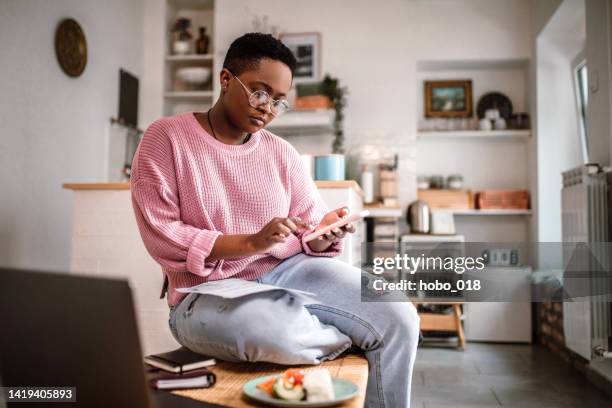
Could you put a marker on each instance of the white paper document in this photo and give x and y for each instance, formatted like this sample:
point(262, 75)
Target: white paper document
point(235, 288)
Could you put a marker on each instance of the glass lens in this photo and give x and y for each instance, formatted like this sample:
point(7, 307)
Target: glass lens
point(279, 107)
point(259, 98)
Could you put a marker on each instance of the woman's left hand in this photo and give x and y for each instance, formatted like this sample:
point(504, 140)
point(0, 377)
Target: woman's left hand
point(325, 241)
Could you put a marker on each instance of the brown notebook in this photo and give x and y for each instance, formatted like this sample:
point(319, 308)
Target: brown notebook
point(179, 360)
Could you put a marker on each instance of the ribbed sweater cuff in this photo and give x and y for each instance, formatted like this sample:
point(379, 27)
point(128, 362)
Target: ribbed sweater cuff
point(290, 247)
point(200, 248)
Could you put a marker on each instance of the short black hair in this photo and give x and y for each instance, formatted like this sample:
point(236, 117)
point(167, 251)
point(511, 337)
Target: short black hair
point(245, 52)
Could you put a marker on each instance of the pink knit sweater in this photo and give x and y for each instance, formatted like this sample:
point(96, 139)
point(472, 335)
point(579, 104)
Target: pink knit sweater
point(188, 188)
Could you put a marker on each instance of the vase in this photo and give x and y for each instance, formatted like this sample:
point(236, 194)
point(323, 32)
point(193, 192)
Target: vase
point(202, 42)
point(181, 47)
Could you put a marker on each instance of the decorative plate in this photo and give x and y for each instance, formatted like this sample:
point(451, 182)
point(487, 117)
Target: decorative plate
point(343, 391)
point(495, 100)
point(71, 47)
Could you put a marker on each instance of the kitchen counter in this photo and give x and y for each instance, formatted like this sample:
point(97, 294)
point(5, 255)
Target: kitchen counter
point(126, 186)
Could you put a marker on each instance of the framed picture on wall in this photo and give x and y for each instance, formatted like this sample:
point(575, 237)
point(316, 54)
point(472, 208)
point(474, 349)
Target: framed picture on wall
point(448, 99)
point(306, 47)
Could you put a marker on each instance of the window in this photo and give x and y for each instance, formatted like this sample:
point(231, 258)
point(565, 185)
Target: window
point(581, 86)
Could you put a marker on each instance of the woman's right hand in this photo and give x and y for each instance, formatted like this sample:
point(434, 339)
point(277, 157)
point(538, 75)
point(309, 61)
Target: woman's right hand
point(276, 231)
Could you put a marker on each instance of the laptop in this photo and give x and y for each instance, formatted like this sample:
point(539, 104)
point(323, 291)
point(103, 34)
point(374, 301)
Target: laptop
point(77, 331)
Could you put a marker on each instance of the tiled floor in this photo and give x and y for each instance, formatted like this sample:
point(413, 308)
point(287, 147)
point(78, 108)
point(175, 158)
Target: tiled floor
point(487, 376)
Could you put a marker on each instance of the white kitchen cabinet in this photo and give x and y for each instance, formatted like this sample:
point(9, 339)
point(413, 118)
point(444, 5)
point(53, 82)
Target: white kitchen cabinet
point(349, 194)
point(106, 243)
point(502, 321)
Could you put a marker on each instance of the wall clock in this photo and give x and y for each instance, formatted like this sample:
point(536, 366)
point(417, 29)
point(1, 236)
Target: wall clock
point(71, 47)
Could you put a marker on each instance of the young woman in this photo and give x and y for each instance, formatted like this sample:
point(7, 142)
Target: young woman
point(216, 196)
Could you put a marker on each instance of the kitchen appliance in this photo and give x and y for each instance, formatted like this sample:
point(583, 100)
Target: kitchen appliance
point(418, 217)
point(442, 222)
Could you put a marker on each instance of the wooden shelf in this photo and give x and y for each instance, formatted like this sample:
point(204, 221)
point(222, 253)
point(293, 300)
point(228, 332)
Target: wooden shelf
point(126, 185)
point(303, 122)
point(485, 135)
point(193, 4)
point(188, 94)
point(490, 212)
point(189, 57)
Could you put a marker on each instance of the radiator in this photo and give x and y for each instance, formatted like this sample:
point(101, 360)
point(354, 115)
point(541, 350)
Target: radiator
point(585, 216)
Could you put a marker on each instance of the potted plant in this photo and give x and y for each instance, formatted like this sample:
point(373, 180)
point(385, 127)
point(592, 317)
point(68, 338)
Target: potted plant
point(182, 36)
point(337, 94)
point(333, 166)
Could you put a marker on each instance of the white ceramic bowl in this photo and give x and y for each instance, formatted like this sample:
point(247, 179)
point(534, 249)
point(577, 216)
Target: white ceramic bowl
point(193, 75)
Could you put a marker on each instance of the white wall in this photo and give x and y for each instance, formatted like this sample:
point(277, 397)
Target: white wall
point(55, 129)
point(154, 45)
point(373, 47)
point(558, 132)
point(541, 12)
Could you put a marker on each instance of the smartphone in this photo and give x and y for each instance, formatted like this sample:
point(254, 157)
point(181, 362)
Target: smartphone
point(340, 223)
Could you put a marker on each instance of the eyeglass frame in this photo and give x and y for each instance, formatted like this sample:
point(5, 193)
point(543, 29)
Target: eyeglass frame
point(270, 101)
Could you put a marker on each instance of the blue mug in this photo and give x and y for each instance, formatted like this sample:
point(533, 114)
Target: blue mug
point(329, 167)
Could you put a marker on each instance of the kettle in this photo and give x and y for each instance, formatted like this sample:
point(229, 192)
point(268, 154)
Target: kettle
point(418, 217)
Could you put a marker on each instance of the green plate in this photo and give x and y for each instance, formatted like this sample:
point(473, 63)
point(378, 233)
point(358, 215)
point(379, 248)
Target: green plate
point(343, 390)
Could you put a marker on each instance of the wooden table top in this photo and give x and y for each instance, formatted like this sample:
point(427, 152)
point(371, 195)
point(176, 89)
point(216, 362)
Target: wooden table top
point(126, 185)
point(231, 377)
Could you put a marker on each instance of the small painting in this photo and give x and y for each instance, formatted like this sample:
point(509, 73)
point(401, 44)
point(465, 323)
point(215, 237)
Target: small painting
point(448, 99)
point(306, 47)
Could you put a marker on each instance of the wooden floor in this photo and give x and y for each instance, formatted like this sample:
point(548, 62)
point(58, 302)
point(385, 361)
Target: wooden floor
point(231, 377)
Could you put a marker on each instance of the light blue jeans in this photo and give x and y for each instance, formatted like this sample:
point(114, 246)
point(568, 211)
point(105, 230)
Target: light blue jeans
point(280, 328)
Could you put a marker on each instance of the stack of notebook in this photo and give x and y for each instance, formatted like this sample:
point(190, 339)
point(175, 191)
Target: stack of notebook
point(180, 369)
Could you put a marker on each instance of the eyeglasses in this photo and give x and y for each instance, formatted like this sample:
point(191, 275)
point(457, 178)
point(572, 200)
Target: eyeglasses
point(261, 98)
